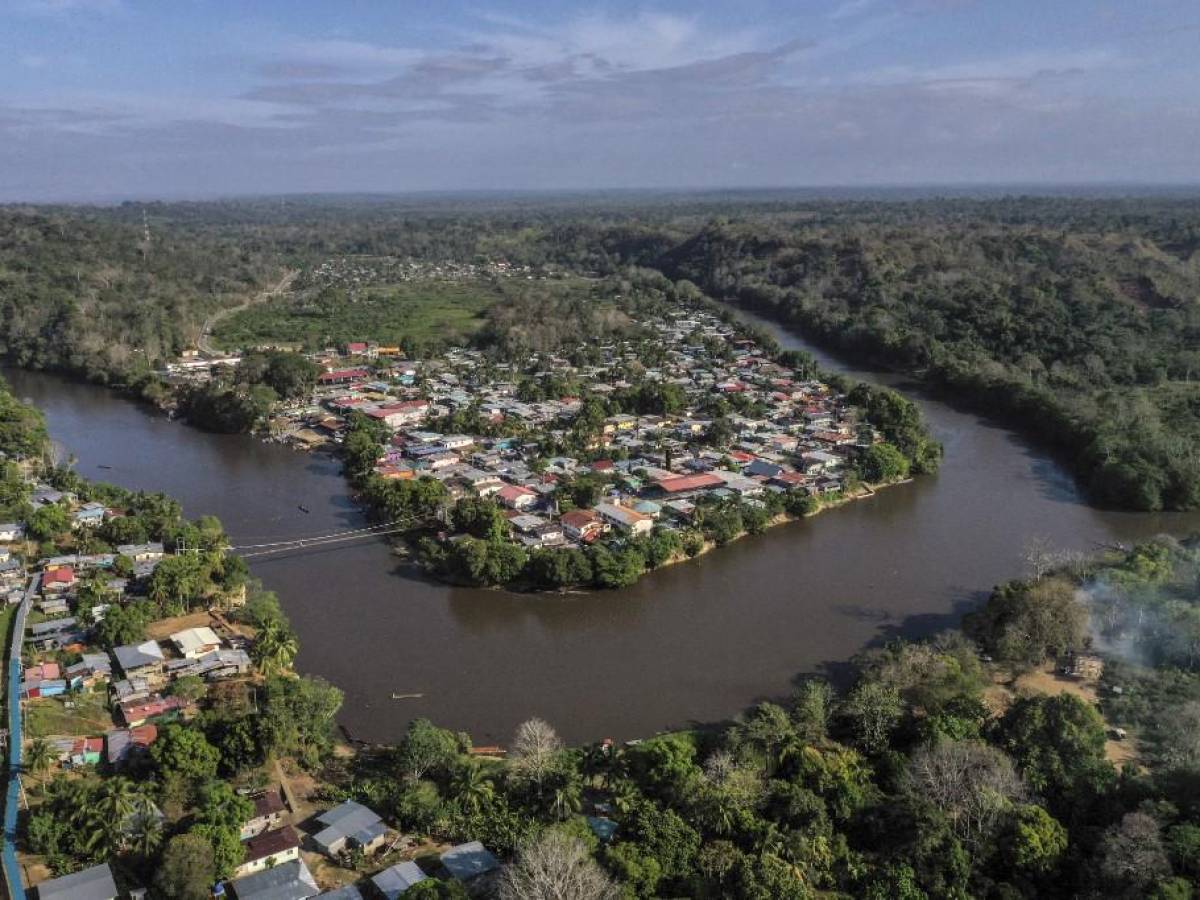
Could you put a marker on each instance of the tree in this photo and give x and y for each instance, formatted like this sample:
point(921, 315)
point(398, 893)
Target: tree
point(275, 648)
point(1057, 742)
point(974, 785)
point(426, 749)
point(556, 867)
point(185, 751)
point(1025, 623)
point(872, 711)
point(471, 788)
point(39, 756)
point(1132, 854)
point(48, 522)
point(535, 751)
point(1035, 841)
point(883, 463)
point(187, 870)
point(812, 708)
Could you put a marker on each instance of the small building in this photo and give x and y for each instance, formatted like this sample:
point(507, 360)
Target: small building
point(95, 883)
point(624, 519)
point(468, 861)
point(193, 643)
point(123, 745)
point(268, 849)
point(582, 524)
point(140, 553)
point(60, 579)
point(514, 496)
point(290, 881)
point(1085, 667)
point(144, 660)
point(349, 824)
point(268, 813)
point(11, 532)
point(393, 882)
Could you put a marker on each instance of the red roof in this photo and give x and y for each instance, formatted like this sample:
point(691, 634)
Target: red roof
point(513, 491)
point(65, 575)
point(690, 482)
point(580, 519)
point(602, 465)
point(270, 843)
point(356, 346)
point(343, 375)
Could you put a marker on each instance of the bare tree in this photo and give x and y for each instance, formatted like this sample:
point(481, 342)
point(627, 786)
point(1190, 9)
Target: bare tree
point(535, 751)
point(556, 867)
point(972, 783)
point(1132, 854)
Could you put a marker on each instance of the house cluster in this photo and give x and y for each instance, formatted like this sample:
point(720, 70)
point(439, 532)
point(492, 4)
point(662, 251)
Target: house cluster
point(793, 434)
point(62, 660)
point(353, 273)
point(278, 856)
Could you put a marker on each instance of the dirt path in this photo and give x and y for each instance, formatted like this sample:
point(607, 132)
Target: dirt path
point(204, 344)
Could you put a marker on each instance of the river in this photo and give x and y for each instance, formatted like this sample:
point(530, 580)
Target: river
point(694, 643)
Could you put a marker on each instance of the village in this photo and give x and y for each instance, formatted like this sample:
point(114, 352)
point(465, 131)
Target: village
point(81, 704)
point(716, 419)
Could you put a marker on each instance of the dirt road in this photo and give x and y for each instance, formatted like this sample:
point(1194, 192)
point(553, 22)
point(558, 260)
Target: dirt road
point(205, 342)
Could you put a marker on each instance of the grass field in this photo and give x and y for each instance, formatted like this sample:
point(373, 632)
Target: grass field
point(418, 312)
point(51, 716)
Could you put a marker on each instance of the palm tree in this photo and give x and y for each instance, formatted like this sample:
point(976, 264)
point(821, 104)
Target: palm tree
point(567, 800)
point(471, 788)
point(625, 796)
point(39, 756)
point(275, 648)
point(119, 800)
point(145, 831)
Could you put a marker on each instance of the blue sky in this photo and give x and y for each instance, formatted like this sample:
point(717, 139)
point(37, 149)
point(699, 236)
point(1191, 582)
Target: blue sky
point(168, 98)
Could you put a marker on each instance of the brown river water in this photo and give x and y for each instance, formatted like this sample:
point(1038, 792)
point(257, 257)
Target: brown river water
point(695, 643)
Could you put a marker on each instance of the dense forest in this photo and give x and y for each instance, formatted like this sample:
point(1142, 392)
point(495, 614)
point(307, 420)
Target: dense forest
point(1077, 319)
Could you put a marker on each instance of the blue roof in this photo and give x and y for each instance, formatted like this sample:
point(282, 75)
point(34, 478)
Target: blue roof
point(399, 878)
point(466, 861)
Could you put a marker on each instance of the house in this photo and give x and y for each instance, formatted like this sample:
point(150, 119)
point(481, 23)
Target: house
point(95, 883)
point(124, 744)
point(760, 468)
point(141, 553)
point(290, 881)
point(680, 484)
point(349, 822)
point(193, 643)
point(346, 892)
point(138, 712)
point(61, 579)
point(10, 532)
point(400, 415)
point(582, 525)
point(55, 634)
point(342, 376)
point(624, 519)
point(268, 849)
point(90, 515)
point(468, 861)
point(86, 751)
point(144, 660)
point(268, 813)
point(394, 881)
point(515, 496)
point(92, 669)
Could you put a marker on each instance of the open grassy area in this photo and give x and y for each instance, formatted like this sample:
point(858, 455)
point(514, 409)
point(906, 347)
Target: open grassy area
point(402, 314)
point(51, 716)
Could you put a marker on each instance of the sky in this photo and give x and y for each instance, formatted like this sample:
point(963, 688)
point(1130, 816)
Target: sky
point(114, 99)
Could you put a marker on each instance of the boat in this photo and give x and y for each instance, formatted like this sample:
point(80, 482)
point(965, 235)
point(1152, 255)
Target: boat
point(407, 696)
point(103, 467)
point(303, 509)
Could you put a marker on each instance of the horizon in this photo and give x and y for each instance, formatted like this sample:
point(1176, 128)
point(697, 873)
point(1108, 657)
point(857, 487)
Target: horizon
point(124, 99)
point(812, 193)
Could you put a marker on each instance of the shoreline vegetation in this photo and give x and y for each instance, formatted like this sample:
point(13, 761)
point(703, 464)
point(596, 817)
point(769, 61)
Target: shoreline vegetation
point(980, 763)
